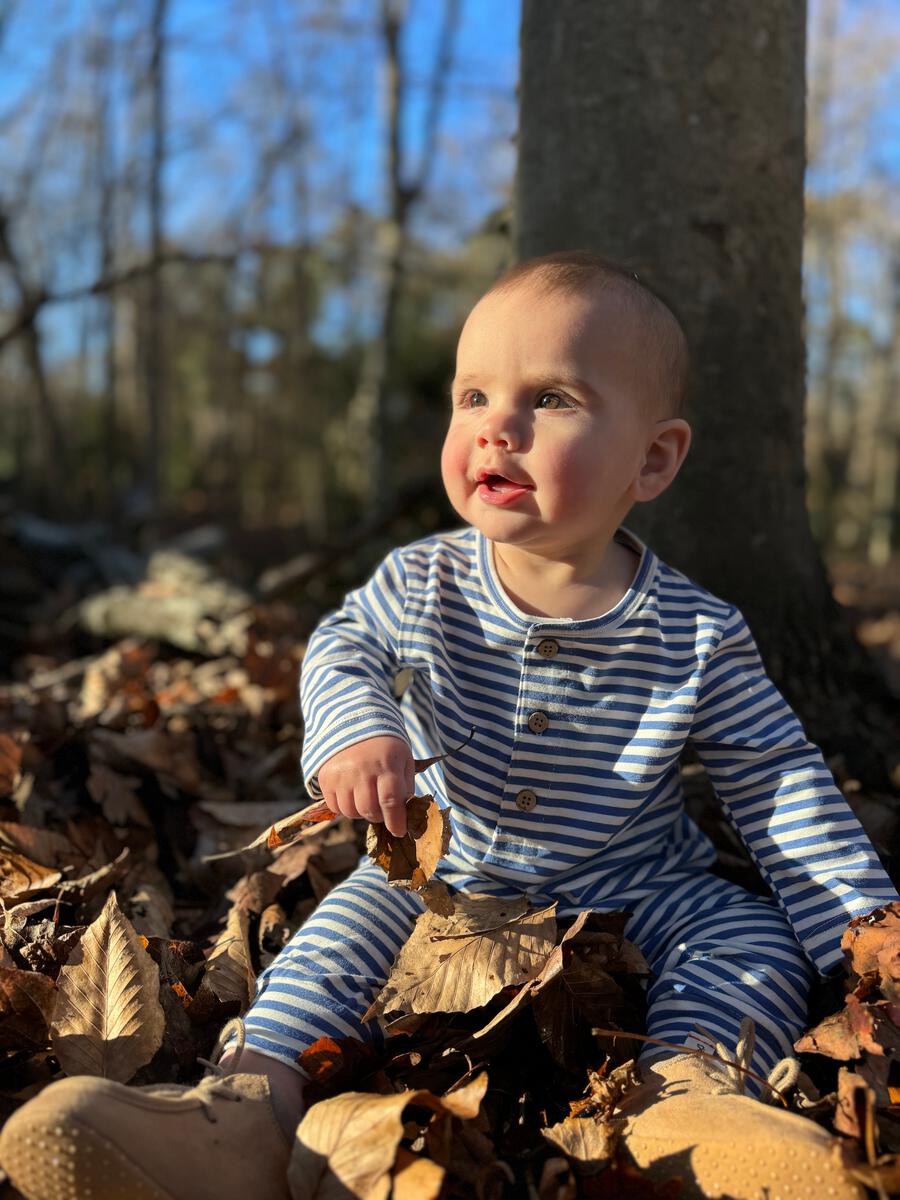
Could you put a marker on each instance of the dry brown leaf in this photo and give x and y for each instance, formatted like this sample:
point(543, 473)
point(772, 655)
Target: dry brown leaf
point(117, 796)
point(557, 1181)
point(347, 1146)
point(20, 877)
point(40, 845)
point(171, 756)
point(437, 897)
point(115, 680)
point(247, 814)
point(10, 763)
point(274, 932)
point(856, 1028)
point(108, 1019)
point(105, 876)
point(551, 968)
point(256, 891)
point(230, 977)
point(290, 863)
point(410, 861)
point(150, 911)
point(590, 1143)
point(416, 1178)
point(868, 940)
point(455, 964)
point(27, 1000)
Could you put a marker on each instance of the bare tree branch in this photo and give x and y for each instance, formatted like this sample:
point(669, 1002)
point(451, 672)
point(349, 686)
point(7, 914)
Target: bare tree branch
point(37, 298)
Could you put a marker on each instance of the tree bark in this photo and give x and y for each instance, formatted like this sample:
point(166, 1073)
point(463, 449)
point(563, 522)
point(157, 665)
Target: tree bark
point(153, 347)
point(670, 137)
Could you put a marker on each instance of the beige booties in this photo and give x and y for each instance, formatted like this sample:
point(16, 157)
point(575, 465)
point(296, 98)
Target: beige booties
point(689, 1119)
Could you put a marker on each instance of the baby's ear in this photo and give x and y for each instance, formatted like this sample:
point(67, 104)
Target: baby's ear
point(663, 457)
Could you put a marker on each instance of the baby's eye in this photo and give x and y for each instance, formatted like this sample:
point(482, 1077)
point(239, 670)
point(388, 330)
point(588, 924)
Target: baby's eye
point(558, 400)
point(471, 399)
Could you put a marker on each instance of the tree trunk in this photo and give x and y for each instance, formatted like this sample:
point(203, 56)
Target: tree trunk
point(359, 441)
point(670, 137)
point(153, 361)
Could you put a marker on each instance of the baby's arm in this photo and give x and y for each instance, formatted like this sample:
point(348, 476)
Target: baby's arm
point(356, 754)
point(781, 798)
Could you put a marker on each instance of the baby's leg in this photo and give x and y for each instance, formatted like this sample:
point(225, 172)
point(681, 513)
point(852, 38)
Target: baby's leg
point(724, 954)
point(323, 980)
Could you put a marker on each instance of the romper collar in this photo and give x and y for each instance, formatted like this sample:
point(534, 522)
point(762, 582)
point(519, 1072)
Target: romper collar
point(633, 599)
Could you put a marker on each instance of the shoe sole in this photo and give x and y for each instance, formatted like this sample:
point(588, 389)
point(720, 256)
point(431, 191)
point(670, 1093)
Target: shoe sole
point(70, 1161)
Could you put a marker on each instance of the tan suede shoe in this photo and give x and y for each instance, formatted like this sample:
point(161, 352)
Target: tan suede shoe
point(86, 1138)
point(687, 1119)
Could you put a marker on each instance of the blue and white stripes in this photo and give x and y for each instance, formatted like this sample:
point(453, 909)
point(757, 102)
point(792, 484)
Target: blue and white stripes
point(570, 789)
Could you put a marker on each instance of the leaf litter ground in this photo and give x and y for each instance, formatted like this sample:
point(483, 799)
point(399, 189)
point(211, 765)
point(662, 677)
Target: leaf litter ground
point(155, 855)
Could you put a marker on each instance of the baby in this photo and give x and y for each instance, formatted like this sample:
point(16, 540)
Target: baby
point(585, 664)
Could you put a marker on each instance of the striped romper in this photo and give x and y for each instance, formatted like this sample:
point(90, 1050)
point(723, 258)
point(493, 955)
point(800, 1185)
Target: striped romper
point(569, 791)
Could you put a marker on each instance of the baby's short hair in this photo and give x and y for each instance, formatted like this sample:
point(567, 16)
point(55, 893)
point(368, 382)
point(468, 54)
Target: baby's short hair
point(578, 271)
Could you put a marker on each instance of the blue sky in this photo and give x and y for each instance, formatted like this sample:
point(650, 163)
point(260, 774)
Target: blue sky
point(241, 75)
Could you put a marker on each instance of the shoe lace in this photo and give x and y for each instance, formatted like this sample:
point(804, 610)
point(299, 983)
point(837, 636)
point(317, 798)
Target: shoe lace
point(782, 1077)
point(217, 1080)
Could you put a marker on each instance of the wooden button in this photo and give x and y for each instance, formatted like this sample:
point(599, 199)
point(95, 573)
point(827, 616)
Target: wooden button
point(548, 648)
point(538, 722)
point(526, 800)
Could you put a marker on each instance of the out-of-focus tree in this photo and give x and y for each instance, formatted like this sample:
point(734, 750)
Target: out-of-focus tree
point(200, 258)
point(360, 439)
point(852, 239)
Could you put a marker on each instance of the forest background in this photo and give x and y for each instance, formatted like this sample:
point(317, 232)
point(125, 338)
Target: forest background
point(237, 243)
point(197, 202)
point(236, 246)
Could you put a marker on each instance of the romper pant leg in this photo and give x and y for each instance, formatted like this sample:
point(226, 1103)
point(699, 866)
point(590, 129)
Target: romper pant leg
point(718, 954)
point(327, 975)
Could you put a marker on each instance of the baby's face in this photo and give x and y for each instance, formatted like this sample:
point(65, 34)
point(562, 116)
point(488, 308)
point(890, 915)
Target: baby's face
point(555, 393)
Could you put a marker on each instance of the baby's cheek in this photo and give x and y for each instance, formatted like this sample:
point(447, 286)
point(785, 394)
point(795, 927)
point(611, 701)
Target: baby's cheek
point(453, 466)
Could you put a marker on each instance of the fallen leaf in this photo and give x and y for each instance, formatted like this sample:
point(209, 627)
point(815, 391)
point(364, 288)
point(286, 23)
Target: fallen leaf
point(171, 756)
point(416, 1178)
point(247, 814)
point(42, 846)
point(115, 680)
point(865, 937)
point(229, 976)
point(410, 861)
point(457, 963)
point(10, 763)
point(85, 888)
point(347, 1146)
point(20, 877)
point(551, 968)
point(108, 1020)
point(117, 796)
point(590, 1143)
point(27, 1000)
point(856, 1028)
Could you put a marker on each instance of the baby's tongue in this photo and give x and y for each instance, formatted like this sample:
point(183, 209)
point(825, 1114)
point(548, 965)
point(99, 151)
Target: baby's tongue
point(504, 485)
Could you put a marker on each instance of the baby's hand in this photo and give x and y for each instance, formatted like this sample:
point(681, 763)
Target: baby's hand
point(372, 780)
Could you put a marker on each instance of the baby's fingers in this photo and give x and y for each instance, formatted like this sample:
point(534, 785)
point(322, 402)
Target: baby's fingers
point(392, 796)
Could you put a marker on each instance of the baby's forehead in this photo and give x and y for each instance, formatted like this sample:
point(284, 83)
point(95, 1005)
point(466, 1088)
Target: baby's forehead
point(572, 318)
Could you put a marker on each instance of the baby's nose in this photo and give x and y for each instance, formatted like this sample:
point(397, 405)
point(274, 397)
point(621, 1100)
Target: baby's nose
point(498, 430)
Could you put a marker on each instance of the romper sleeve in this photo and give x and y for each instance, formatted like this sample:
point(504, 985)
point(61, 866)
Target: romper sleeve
point(348, 670)
point(781, 798)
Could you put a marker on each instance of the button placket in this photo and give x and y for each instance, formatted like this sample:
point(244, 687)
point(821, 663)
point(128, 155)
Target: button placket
point(526, 799)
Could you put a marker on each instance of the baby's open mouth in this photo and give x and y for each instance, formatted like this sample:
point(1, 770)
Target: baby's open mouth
point(499, 483)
